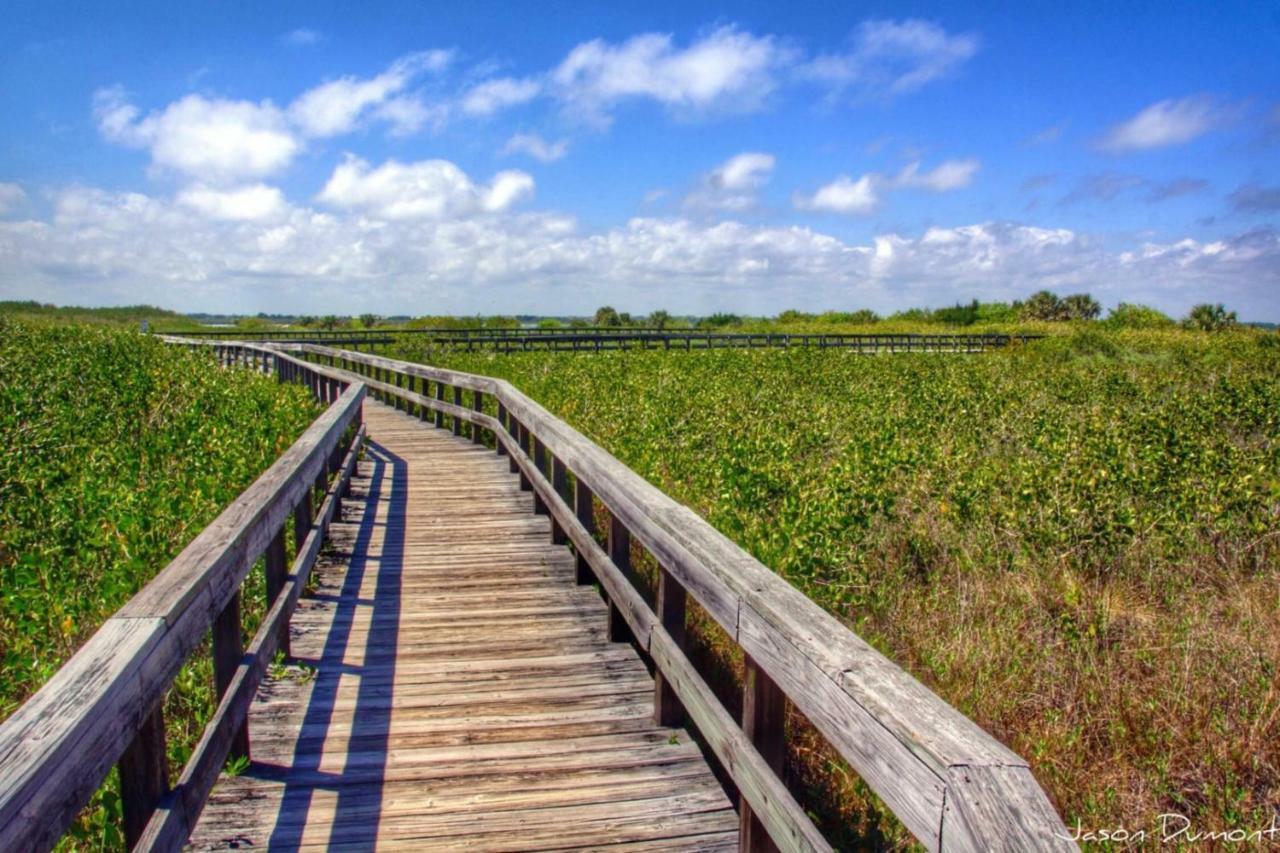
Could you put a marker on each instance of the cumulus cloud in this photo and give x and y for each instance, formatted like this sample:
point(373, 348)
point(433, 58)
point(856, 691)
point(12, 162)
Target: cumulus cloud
point(491, 96)
point(336, 107)
point(1167, 122)
point(1255, 198)
point(727, 69)
point(212, 139)
point(130, 246)
point(254, 203)
point(733, 184)
point(863, 196)
point(889, 58)
point(536, 147)
point(843, 195)
point(429, 189)
point(11, 195)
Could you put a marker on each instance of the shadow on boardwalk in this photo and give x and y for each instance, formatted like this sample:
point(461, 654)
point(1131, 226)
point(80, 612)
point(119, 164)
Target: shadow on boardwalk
point(358, 787)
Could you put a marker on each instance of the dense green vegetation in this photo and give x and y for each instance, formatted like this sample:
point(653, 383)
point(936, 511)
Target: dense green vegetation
point(127, 316)
point(118, 451)
point(1075, 541)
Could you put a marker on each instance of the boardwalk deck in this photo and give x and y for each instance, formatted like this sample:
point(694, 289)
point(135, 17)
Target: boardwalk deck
point(457, 688)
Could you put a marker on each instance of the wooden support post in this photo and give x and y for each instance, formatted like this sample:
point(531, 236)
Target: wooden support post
point(522, 439)
point(513, 428)
point(559, 481)
point(764, 715)
point(584, 507)
point(440, 397)
point(620, 554)
point(144, 775)
point(301, 521)
point(539, 462)
point(277, 573)
point(502, 419)
point(477, 404)
point(228, 648)
point(667, 710)
point(457, 401)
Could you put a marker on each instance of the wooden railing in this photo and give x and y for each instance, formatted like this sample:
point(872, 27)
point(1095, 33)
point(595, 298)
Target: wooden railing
point(605, 338)
point(104, 707)
point(949, 782)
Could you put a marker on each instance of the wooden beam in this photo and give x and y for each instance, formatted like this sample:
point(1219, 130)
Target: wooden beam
point(667, 710)
point(144, 775)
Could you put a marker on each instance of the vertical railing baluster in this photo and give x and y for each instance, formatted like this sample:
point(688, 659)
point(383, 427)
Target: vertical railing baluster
point(559, 483)
point(277, 572)
point(584, 508)
point(522, 441)
point(144, 775)
point(440, 398)
point(620, 554)
point(670, 604)
point(477, 405)
point(764, 715)
point(539, 463)
point(457, 401)
point(228, 649)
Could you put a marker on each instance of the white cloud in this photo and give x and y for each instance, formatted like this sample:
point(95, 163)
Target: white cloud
point(11, 195)
point(890, 58)
point(254, 203)
point(335, 107)
point(733, 184)
point(211, 139)
point(429, 189)
point(843, 195)
point(725, 70)
point(126, 247)
point(493, 95)
point(863, 196)
point(536, 147)
point(1167, 122)
point(302, 37)
point(945, 177)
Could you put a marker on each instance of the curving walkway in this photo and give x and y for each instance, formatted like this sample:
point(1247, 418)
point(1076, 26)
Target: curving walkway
point(452, 687)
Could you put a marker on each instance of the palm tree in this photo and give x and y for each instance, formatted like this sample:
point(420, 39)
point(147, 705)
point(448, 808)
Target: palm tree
point(1210, 318)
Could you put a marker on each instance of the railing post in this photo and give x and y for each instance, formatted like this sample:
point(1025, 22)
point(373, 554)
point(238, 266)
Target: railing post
point(144, 775)
point(457, 401)
point(539, 462)
point(584, 507)
point(477, 404)
point(620, 555)
point(559, 480)
point(502, 419)
point(522, 440)
point(440, 397)
point(228, 648)
point(764, 715)
point(667, 710)
point(277, 572)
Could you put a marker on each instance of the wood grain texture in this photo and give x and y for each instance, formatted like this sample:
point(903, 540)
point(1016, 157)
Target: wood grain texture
point(903, 739)
point(453, 687)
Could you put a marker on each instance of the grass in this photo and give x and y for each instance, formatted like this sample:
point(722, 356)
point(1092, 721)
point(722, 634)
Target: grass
point(1074, 542)
point(119, 450)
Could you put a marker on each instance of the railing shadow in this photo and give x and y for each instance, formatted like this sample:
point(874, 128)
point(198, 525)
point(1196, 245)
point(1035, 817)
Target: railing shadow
point(357, 786)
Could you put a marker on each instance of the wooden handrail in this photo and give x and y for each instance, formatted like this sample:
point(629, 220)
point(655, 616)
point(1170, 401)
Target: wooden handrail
point(950, 783)
point(104, 705)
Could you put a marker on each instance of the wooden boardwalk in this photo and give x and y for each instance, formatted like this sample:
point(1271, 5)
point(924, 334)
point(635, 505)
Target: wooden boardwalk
point(454, 686)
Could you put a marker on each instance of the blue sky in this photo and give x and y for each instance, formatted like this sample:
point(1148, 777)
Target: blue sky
point(415, 158)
